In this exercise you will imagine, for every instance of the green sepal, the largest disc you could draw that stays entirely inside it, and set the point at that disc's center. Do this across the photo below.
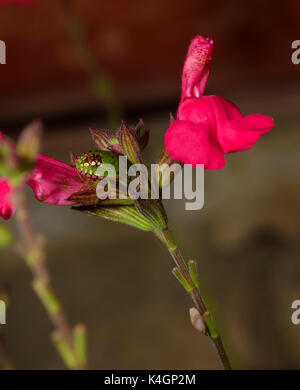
(129, 144)
(105, 140)
(123, 214)
(153, 211)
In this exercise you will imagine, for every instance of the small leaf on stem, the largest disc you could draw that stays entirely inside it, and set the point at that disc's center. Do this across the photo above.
(194, 272)
(80, 335)
(210, 325)
(64, 350)
(182, 280)
(153, 211)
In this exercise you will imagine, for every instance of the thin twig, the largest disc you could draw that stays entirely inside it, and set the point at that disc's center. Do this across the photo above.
(32, 250)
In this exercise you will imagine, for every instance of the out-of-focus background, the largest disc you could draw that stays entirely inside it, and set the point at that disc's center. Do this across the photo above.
(246, 238)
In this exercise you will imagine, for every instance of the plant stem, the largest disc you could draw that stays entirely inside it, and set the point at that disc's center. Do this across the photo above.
(166, 238)
(32, 250)
(101, 83)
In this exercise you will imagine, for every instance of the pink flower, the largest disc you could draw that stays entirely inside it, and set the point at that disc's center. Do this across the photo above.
(7, 207)
(54, 182)
(207, 127)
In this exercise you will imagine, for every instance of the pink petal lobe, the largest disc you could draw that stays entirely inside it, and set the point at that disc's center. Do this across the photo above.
(7, 207)
(238, 135)
(191, 144)
(53, 181)
(197, 110)
(196, 67)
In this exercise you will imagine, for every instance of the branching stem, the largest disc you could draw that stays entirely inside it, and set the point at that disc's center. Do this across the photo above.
(186, 278)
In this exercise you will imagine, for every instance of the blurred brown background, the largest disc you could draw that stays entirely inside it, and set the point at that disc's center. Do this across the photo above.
(246, 239)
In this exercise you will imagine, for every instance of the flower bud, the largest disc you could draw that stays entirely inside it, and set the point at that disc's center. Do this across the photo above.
(197, 320)
(129, 144)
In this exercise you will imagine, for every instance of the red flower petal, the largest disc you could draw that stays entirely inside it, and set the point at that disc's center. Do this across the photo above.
(196, 67)
(209, 126)
(238, 135)
(7, 208)
(53, 181)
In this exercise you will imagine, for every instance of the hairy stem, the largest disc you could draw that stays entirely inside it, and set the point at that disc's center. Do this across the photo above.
(32, 250)
(166, 238)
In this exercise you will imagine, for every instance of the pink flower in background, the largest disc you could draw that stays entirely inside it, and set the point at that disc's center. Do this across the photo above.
(54, 182)
(207, 127)
(7, 207)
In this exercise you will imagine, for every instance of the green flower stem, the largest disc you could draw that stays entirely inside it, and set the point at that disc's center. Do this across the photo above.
(101, 83)
(187, 277)
(32, 249)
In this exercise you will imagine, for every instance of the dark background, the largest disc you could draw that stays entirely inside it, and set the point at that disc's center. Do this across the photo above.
(246, 238)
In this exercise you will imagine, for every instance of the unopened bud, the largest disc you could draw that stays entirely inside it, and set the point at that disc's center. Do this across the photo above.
(197, 320)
